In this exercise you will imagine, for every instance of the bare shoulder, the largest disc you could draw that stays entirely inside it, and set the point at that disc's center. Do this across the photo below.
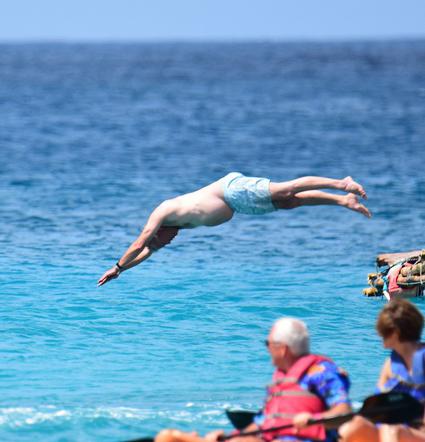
(166, 208)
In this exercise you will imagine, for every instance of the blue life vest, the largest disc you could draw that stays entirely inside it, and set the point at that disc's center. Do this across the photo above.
(401, 380)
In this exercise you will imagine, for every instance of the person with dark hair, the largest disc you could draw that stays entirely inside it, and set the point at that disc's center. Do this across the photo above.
(400, 325)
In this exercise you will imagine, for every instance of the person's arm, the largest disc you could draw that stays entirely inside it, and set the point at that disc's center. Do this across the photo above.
(331, 385)
(335, 411)
(301, 419)
(385, 374)
(114, 272)
(153, 224)
(142, 256)
(139, 250)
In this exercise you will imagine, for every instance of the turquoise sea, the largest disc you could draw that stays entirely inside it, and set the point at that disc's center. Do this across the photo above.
(92, 137)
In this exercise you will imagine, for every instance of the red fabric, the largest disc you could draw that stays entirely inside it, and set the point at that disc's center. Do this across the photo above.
(392, 279)
(393, 288)
(286, 396)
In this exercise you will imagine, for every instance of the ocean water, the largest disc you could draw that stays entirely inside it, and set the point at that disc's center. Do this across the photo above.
(92, 137)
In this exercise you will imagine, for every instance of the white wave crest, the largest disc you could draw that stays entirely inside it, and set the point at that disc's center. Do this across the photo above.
(14, 417)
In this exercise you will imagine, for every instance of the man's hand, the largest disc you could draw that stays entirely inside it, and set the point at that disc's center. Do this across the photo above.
(107, 276)
(300, 420)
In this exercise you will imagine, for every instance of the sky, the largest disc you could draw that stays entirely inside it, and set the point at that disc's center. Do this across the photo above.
(158, 20)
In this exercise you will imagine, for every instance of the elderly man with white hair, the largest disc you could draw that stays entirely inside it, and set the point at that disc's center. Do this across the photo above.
(304, 386)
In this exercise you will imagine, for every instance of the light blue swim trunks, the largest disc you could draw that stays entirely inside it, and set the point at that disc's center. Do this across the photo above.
(248, 195)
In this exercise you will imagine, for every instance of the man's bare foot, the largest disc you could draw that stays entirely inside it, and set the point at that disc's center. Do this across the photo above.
(352, 186)
(352, 203)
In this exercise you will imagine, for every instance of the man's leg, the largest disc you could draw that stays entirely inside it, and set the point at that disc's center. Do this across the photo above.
(290, 188)
(317, 198)
(180, 436)
(358, 429)
(400, 433)
(177, 436)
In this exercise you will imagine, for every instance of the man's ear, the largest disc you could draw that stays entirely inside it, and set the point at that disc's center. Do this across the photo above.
(284, 350)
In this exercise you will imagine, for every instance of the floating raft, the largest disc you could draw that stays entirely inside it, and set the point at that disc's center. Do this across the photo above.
(398, 275)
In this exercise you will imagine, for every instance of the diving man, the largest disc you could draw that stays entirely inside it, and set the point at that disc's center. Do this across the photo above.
(216, 204)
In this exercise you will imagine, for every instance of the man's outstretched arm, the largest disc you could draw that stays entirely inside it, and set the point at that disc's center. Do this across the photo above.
(142, 256)
(114, 272)
(139, 250)
(148, 232)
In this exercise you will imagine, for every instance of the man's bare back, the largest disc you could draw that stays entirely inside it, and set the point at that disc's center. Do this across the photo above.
(216, 204)
(204, 207)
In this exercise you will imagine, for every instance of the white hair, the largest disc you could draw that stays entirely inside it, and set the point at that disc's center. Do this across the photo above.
(293, 333)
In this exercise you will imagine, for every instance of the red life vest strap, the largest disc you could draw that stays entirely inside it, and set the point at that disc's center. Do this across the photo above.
(296, 372)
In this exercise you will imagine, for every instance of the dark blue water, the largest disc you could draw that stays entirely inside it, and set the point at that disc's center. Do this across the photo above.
(92, 137)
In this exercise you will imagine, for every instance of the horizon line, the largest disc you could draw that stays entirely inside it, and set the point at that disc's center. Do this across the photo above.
(224, 40)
